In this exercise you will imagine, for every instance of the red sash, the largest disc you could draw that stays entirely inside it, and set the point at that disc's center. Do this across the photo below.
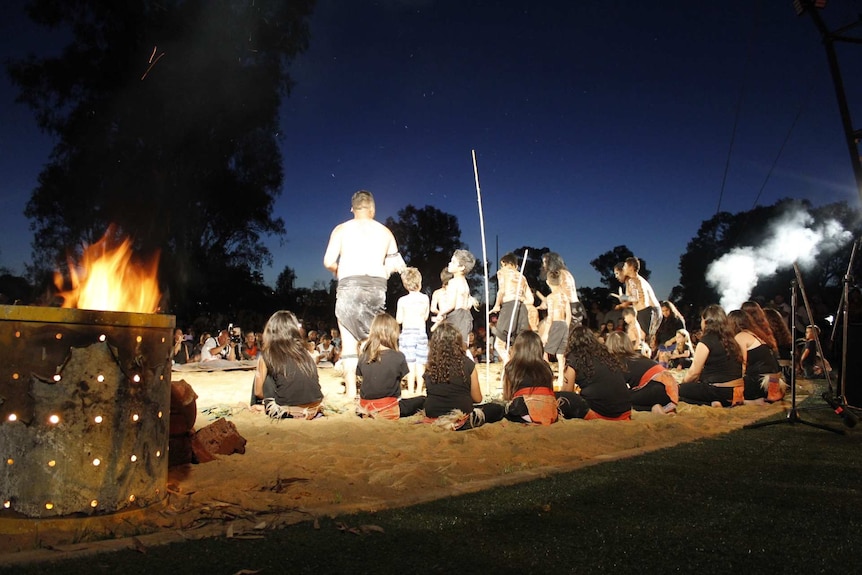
(626, 416)
(385, 407)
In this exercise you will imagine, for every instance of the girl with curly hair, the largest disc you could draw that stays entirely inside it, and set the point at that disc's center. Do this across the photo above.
(286, 375)
(528, 386)
(597, 375)
(452, 384)
(715, 375)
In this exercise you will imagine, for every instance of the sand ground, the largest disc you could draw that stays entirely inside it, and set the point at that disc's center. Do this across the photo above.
(294, 470)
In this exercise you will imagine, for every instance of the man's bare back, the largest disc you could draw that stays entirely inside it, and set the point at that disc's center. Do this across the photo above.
(359, 247)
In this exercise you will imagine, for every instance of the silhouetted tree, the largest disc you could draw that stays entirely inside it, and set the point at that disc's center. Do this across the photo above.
(165, 114)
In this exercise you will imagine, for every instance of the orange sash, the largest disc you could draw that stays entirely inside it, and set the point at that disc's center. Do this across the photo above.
(541, 404)
(626, 416)
(385, 407)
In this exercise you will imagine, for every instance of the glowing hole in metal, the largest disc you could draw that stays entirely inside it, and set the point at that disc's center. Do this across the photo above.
(158, 453)
(97, 461)
(55, 419)
(98, 419)
(94, 503)
(100, 378)
(12, 417)
(137, 378)
(102, 337)
(134, 458)
(7, 504)
(17, 334)
(10, 461)
(139, 339)
(58, 377)
(131, 497)
(15, 376)
(135, 417)
(52, 463)
(160, 415)
(59, 336)
(49, 505)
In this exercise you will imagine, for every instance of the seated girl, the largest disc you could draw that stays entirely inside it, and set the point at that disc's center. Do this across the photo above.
(452, 384)
(286, 375)
(382, 367)
(680, 354)
(763, 377)
(651, 386)
(528, 386)
(598, 376)
(715, 375)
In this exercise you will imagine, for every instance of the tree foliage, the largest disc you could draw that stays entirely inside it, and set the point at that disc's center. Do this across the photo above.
(165, 115)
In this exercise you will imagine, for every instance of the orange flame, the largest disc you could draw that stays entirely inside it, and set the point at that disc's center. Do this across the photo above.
(110, 280)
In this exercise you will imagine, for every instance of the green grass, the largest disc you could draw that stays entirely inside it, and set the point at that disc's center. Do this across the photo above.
(779, 499)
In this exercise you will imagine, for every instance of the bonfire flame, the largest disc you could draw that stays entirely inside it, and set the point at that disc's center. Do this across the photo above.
(109, 279)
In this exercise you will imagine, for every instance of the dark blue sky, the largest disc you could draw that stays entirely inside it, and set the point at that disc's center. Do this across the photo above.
(595, 123)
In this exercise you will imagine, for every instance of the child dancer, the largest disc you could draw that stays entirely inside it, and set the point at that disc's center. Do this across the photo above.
(528, 386)
(455, 305)
(381, 367)
(452, 384)
(512, 293)
(412, 313)
(555, 332)
(286, 375)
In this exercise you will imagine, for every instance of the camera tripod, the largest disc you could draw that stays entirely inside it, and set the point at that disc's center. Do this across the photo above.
(793, 415)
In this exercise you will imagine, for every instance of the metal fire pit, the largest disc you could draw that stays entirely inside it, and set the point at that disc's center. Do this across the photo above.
(84, 409)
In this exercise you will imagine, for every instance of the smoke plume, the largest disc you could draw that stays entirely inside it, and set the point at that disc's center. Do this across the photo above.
(792, 238)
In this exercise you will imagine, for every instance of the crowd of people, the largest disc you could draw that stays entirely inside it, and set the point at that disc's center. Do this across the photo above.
(638, 356)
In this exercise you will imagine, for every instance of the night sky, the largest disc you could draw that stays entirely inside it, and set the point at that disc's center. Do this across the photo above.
(595, 124)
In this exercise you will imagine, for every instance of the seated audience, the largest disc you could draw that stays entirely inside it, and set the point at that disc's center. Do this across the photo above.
(286, 376)
(180, 351)
(250, 349)
(218, 348)
(529, 389)
(382, 367)
(680, 355)
(652, 387)
(715, 375)
(671, 322)
(327, 354)
(763, 379)
(597, 376)
(452, 384)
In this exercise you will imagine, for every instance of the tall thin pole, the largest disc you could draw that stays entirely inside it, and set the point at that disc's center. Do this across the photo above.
(485, 265)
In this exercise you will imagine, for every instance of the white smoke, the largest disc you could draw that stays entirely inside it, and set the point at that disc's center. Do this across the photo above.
(791, 239)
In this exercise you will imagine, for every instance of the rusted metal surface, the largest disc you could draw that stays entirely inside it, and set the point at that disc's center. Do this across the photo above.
(85, 409)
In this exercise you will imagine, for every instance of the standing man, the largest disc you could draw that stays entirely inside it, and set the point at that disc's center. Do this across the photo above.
(362, 254)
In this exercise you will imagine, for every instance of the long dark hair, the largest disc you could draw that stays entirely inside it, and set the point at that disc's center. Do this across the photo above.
(526, 365)
(583, 350)
(619, 344)
(759, 323)
(778, 327)
(715, 321)
(283, 349)
(382, 333)
(445, 354)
